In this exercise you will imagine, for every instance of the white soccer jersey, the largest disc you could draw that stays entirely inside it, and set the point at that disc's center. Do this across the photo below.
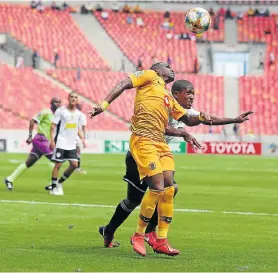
(178, 124)
(70, 122)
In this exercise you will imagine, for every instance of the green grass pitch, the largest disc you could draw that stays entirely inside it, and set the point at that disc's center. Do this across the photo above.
(38, 237)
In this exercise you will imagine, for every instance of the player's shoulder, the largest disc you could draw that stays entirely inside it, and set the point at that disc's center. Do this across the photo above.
(146, 73)
(45, 112)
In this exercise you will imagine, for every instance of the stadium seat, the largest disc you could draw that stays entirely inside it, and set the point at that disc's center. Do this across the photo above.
(260, 95)
(49, 31)
(25, 93)
(151, 39)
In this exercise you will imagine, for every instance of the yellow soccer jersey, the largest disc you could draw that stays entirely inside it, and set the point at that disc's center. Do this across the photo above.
(153, 105)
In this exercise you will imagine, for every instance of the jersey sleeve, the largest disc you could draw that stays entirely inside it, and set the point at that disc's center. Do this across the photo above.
(57, 116)
(193, 112)
(177, 110)
(39, 117)
(141, 78)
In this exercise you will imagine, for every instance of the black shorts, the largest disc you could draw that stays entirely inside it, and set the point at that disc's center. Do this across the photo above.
(136, 188)
(61, 155)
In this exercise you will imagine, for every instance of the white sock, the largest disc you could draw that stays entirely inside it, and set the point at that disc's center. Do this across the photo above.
(17, 172)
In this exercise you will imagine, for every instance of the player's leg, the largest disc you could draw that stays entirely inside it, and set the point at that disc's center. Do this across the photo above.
(144, 152)
(135, 193)
(165, 205)
(35, 154)
(150, 234)
(71, 156)
(58, 159)
(9, 180)
(78, 151)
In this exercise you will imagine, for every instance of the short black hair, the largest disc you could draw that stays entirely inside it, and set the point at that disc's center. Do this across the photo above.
(180, 85)
(156, 65)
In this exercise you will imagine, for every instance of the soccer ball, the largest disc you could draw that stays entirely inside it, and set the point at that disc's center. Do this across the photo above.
(197, 20)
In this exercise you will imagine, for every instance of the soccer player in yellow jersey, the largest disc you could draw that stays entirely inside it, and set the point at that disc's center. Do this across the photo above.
(153, 105)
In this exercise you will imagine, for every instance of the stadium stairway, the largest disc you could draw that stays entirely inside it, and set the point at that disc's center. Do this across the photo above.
(230, 32)
(6, 58)
(231, 99)
(104, 44)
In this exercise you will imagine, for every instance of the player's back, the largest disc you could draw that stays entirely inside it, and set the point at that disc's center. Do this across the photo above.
(44, 120)
(152, 105)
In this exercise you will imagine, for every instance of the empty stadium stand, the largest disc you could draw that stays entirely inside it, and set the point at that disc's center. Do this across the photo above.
(151, 39)
(259, 94)
(26, 93)
(50, 31)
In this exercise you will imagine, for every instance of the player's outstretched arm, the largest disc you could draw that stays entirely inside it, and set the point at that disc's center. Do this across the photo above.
(223, 121)
(171, 131)
(115, 92)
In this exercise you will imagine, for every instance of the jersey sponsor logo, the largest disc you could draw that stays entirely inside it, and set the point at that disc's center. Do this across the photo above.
(166, 101)
(139, 73)
(70, 125)
(152, 166)
(232, 148)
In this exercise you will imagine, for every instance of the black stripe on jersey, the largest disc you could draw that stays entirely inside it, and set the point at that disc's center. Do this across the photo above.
(57, 132)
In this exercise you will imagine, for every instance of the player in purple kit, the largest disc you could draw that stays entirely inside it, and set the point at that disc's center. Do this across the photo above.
(41, 144)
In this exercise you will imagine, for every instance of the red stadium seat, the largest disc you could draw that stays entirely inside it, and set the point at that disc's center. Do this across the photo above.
(151, 40)
(259, 94)
(25, 93)
(49, 31)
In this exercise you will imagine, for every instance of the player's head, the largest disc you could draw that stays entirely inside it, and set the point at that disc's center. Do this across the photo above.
(164, 70)
(183, 91)
(73, 99)
(55, 103)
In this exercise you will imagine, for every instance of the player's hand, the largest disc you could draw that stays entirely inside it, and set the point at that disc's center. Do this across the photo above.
(206, 118)
(29, 140)
(96, 110)
(192, 141)
(243, 117)
(52, 145)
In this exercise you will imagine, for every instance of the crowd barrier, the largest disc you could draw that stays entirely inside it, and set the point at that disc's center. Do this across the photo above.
(15, 143)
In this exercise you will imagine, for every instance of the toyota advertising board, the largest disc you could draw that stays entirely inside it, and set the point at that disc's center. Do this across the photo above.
(228, 148)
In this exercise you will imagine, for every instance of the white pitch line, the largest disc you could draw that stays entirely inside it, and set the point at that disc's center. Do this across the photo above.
(109, 206)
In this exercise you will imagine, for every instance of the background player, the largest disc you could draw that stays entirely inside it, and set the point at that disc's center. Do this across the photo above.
(79, 141)
(183, 92)
(152, 154)
(69, 118)
(41, 145)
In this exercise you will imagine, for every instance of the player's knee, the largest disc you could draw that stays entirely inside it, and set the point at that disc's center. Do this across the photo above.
(74, 164)
(131, 204)
(57, 166)
(168, 177)
(168, 195)
(176, 189)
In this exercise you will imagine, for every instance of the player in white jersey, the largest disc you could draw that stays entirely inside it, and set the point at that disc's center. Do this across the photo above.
(183, 92)
(79, 142)
(69, 119)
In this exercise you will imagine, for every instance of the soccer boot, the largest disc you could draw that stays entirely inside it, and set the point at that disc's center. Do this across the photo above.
(163, 247)
(58, 190)
(8, 184)
(137, 240)
(81, 171)
(108, 239)
(150, 238)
